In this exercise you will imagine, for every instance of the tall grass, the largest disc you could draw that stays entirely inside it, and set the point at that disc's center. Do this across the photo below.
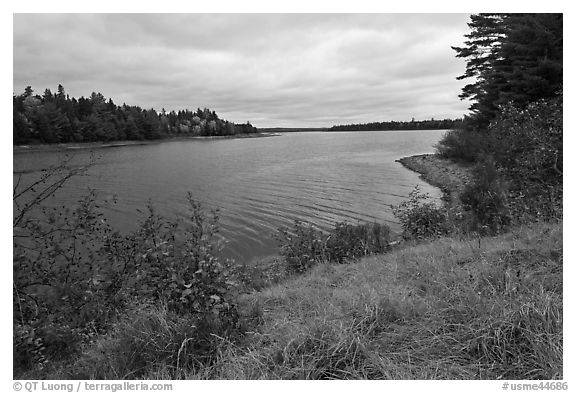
(446, 309)
(443, 310)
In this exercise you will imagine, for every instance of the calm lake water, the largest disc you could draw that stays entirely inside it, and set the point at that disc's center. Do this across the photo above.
(258, 184)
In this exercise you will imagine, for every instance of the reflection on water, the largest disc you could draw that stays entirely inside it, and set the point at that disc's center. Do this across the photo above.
(257, 184)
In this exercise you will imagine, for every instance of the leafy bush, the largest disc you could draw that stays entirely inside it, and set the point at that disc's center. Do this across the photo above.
(73, 275)
(349, 241)
(462, 144)
(177, 263)
(60, 297)
(486, 198)
(304, 246)
(420, 219)
(528, 147)
(528, 142)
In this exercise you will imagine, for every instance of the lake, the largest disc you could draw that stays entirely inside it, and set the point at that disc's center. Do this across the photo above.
(258, 184)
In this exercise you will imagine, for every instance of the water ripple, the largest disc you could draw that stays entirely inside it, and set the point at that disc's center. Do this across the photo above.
(258, 185)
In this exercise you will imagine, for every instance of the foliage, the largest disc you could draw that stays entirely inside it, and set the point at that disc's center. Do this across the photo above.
(526, 150)
(486, 198)
(527, 143)
(512, 58)
(60, 295)
(73, 275)
(420, 219)
(57, 118)
(516, 63)
(303, 246)
(177, 263)
(349, 241)
(460, 144)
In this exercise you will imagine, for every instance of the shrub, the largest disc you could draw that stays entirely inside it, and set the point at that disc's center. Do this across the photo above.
(462, 144)
(486, 198)
(176, 263)
(60, 296)
(420, 219)
(304, 246)
(73, 275)
(349, 241)
(527, 146)
(528, 142)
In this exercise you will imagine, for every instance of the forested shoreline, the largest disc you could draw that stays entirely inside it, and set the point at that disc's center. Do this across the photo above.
(57, 118)
(432, 124)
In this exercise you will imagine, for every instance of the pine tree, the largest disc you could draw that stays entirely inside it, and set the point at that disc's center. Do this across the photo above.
(531, 58)
(512, 57)
(61, 94)
(481, 52)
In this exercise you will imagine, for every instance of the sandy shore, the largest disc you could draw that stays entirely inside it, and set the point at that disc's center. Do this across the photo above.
(104, 145)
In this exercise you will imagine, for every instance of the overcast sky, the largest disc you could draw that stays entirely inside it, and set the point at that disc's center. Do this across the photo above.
(279, 70)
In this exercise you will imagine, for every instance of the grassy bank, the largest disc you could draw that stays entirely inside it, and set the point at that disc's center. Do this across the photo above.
(446, 309)
(443, 310)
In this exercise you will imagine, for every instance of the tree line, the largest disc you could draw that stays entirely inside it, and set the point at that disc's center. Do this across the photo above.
(57, 118)
(432, 124)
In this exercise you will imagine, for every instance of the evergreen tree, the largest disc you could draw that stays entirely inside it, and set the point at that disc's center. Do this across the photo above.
(531, 58)
(511, 57)
(61, 94)
(47, 97)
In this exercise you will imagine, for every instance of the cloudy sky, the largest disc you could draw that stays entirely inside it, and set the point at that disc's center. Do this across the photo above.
(274, 70)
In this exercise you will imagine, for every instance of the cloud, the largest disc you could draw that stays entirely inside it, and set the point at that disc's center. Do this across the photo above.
(274, 70)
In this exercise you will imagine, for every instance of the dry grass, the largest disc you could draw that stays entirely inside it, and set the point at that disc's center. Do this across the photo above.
(442, 310)
(446, 309)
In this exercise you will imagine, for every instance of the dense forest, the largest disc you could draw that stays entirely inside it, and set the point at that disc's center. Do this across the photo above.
(57, 118)
(431, 124)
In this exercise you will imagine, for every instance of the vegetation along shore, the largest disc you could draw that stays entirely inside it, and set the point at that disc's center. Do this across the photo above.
(473, 291)
(106, 145)
(437, 306)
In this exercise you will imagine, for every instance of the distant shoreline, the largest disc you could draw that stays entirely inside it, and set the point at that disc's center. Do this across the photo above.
(279, 129)
(17, 149)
